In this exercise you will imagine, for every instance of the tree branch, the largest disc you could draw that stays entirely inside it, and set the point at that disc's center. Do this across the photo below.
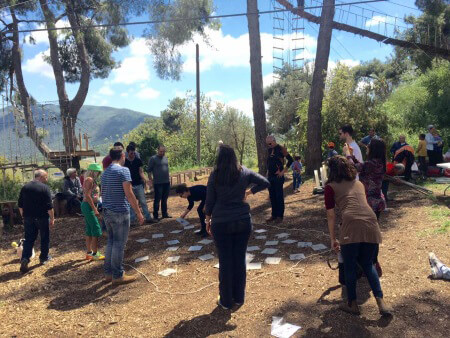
(32, 21)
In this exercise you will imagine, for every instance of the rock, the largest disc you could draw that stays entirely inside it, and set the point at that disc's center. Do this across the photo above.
(326, 329)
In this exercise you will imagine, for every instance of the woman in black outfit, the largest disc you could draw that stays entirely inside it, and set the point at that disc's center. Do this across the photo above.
(228, 221)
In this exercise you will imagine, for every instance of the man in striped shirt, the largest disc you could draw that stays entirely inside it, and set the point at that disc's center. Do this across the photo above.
(117, 195)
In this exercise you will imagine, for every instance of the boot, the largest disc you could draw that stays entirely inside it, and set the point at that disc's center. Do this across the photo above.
(384, 309)
(125, 279)
(351, 308)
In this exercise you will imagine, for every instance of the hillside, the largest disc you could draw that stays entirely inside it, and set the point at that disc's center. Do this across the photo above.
(103, 124)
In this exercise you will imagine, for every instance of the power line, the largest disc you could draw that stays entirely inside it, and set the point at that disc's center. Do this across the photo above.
(395, 3)
(182, 19)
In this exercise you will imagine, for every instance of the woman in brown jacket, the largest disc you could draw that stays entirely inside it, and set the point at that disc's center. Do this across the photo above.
(359, 234)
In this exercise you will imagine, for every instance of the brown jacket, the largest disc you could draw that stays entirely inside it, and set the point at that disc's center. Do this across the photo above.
(359, 222)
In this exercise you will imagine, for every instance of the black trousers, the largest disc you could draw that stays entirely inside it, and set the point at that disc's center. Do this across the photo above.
(33, 226)
(231, 241)
(161, 196)
(201, 215)
(276, 195)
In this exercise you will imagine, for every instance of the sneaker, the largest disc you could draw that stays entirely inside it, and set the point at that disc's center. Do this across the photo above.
(98, 257)
(202, 234)
(89, 256)
(167, 216)
(24, 265)
(350, 308)
(384, 309)
(151, 221)
(220, 304)
(125, 279)
(45, 261)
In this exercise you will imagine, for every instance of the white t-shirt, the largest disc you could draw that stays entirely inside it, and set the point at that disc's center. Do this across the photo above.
(356, 151)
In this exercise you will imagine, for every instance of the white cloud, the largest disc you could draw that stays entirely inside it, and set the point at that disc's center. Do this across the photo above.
(245, 105)
(228, 51)
(214, 94)
(377, 19)
(147, 94)
(124, 95)
(37, 65)
(139, 47)
(348, 62)
(269, 79)
(42, 36)
(106, 90)
(133, 69)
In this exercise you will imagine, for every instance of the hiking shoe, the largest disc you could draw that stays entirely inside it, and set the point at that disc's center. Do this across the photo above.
(98, 257)
(24, 265)
(384, 309)
(220, 304)
(351, 308)
(45, 261)
(151, 221)
(167, 216)
(202, 234)
(125, 279)
(89, 256)
(107, 279)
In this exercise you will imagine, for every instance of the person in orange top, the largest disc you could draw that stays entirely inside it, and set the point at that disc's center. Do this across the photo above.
(405, 156)
(422, 154)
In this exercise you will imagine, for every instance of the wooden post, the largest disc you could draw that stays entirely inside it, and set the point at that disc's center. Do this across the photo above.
(314, 134)
(80, 140)
(197, 62)
(86, 141)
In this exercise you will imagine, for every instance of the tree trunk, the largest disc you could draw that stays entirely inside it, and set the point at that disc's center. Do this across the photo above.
(259, 113)
(314, 131)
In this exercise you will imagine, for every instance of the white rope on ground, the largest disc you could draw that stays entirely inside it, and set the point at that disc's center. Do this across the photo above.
(289, 229)
(291, 269)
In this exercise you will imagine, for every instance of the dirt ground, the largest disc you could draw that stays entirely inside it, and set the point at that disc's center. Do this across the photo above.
(67, 297)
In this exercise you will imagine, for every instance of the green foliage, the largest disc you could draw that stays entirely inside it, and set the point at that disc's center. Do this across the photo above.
(56, 185)
(166, 37)
(10, 189)
(147, 147)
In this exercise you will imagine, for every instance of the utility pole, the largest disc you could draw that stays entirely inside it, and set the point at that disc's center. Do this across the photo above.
(197, 61)
(314, 134)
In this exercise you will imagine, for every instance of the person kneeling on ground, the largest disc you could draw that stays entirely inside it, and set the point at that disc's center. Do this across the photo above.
(231, 222)
(195, 193)
(359, 233)
(90, 211)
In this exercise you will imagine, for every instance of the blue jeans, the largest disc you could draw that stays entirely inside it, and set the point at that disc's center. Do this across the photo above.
(297, 181)
(34, 225)
(276, 195)
(231, 241)
(161, 195)
(117, 226)
(361, 254)
(139, 192)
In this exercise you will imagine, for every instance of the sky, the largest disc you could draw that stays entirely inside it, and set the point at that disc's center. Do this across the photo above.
(224, 63)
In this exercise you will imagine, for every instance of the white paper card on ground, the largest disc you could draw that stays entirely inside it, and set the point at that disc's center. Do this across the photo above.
(261, 237)
(157, 235)
(205, 241)
(182, 221)
(195, 248)
(187, 227)
(217, 266)
(281, 329)
(282, 235)
(269, 251)
(206, 257)
(142, 240)
(304, 244)
(271, 243)
(172, 248)
(253, 248)
(173, 242)
(176, 231)
(273, 260)
(318, 247)
(297, 257)
(167, 272)
(260, 231)
(172, 259)
(141, 259)
(249, 257)
(289, 241)
(254, 266)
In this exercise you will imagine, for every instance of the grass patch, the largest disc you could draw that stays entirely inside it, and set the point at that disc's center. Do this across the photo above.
(441, 215)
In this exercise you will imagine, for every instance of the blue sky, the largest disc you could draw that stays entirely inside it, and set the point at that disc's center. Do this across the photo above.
(225, 68)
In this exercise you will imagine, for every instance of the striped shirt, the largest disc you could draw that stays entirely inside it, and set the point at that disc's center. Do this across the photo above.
(113, 195)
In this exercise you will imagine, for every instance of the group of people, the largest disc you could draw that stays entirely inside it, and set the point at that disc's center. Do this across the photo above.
(354, 186)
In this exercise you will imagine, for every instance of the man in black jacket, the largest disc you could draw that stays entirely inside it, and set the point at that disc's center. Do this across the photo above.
(276, 171)
(35, 206)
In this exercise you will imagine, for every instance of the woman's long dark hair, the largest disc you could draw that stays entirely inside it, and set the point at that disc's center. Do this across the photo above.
(377, 150)
(227, 168)
(340, 169)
